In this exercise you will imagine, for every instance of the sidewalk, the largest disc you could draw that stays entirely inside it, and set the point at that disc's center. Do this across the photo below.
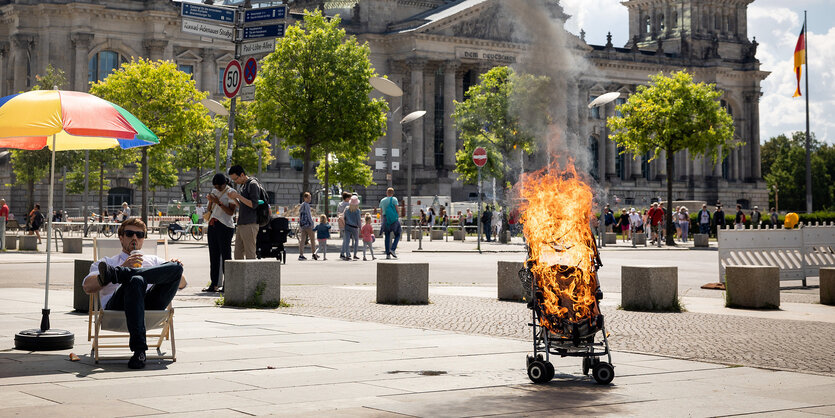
(235, 362)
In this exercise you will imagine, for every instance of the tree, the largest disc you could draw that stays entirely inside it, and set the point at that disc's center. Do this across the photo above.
(346, 170)
(102, 163)
(784, 162)
(672, 114)
(504, 113)
(250, 142)
(313, 92)
(168, 102)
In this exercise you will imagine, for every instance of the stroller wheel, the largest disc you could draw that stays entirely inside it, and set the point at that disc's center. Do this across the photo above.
(551, 371)
(586, 365)
(603, 373)
(538, 372)
(528, 360)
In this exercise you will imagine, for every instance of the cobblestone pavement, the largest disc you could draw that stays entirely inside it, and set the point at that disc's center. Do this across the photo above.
(734, 340)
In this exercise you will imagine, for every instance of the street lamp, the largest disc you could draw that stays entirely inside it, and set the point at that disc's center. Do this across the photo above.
(411, 117)
(215, 107)
(602, 101)
(388, 88)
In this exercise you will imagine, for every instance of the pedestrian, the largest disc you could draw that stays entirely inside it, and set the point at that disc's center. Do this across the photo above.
(645, 222)
(391, 222)
(704, 220)
(443, 219)
(684, 223)
(353, 217)
(756, 216)
(323, 232)
(663, 228)
(422, 221)
(340, 220)
(623, 224)
(656, 215)
(486, 222)
(306, 228)
(496, 222)
(4, 210)
(36, 219)
(200, 211)
(469, 220)
(367, 234)
(246, 197)
(635, 221)
(718, 219)
(125, 213)
(739, 219)
(773, 216)
(221, 229)
(609, 221)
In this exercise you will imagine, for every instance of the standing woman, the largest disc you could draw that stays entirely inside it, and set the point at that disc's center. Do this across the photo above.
(221, 228)
(35, 221)
(352, 227)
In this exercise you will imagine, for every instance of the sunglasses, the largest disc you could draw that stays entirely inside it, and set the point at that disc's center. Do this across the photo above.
(131, 234)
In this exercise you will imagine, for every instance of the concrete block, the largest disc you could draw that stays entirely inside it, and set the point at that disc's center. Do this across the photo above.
(80, 300)
(73, 245)
(10, 242)
(755, 287)
(701, 240)
(640, 238)
(510, 288)
(28, 243)
(649, 288)
(403, 283)
(436, 235)
(243, 277)
(459, 235)
(611, 238)
(416, 234)
(827, 276)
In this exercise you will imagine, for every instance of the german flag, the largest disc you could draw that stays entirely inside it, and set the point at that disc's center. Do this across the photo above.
(799, 57)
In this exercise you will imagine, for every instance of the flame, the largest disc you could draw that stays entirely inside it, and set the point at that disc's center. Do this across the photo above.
(556, 208)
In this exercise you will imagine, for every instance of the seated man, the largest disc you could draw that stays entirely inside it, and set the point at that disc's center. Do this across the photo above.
(133, 283)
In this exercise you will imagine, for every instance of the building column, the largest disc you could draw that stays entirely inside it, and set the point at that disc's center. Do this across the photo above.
(4, 63)
(611, 148)
(22, 50)
(753, 102)
(81, 77)
(208, 71)
(717, 168)
(416, 128)
(450, 71)
(155, 48)
(636, 166)
(430, 79)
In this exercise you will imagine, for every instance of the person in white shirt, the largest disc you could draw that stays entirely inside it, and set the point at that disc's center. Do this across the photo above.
(635, 220)
(125, 213)
(133, 282)
(221, 228)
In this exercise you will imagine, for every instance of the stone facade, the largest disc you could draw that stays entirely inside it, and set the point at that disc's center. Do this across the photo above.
(435, 50)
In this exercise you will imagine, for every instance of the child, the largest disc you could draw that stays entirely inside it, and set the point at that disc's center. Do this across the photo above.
(367, 234)
(323, 232)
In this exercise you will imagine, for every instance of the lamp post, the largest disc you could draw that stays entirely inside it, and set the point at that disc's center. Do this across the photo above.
(215, 107)
(602, 101)
(387, 88)
(411, 117)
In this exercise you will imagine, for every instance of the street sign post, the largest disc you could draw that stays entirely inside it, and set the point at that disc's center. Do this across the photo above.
(265, 13)
(232, 79)
(208, 29)
(275, 30)
(247, 93)
(479, 158)
(202, 11)
(258, 47)
(250, 71)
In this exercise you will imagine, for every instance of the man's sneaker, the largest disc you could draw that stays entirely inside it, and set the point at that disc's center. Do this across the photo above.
(388, 256)
(302, 258)
(315, 257)
(107, 274)
(356, 258)
(137, 361)
(393, 254)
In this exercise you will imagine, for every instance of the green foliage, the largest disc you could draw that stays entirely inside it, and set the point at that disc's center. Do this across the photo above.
(54, 79)
(102, 163)
(348, 171)
(249, 140)
(168, 102)
(313, 91)
(256, 301)
(784, 165)
(504, 113)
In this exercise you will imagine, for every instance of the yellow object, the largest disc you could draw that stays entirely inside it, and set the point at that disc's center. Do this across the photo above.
(791, 220)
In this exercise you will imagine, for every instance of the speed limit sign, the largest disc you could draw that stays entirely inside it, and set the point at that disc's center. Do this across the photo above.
(232, 79)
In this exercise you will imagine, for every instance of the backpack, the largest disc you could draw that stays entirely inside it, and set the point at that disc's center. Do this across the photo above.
(390, 212)
(262, 210)
(743, 218)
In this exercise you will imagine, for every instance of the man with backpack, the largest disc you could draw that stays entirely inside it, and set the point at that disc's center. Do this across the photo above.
(391, 222)
(248, 195)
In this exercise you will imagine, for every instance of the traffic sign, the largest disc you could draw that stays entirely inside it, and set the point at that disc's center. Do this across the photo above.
(264, 31)
(480, 156)
(232, 79)
(208, 29)
(248, 93)
(201, 11)
(265, 13)
(250, 71)
(258, 47)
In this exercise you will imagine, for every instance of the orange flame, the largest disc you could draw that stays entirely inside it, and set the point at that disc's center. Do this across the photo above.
(556, 210)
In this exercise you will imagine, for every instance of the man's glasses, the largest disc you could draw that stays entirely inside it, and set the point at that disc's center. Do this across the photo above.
(138, 234)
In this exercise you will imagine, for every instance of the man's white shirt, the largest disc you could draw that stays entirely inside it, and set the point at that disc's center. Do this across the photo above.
(148, 260)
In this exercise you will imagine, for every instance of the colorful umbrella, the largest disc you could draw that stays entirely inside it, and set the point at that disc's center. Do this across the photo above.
(64, 120)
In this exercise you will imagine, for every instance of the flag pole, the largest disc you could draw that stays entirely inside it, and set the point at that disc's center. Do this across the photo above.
(808, 152)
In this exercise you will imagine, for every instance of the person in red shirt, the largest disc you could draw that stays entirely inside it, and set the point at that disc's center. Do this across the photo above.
(656, 216)
(4, 209)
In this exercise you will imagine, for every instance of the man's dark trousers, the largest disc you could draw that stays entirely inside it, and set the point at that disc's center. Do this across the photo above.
(395, 229)
(133, 298)
(486, 229)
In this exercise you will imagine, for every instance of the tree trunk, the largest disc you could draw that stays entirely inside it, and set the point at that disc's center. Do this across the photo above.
(101, 190)
(668, 214)
(327, 184)
(306, 170)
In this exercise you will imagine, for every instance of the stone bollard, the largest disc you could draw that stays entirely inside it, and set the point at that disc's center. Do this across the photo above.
(649, 288)
(436, 234)
(403, 283)
(755, 287)
(701, 240)
(504, 237)
(80, 300)
(510, 288)
(827, 276)
(11, 242)
(28, 243)
(416, 234)
(639, 238)
(459, 235)
(73, 245)
(611, 238)
(252, 282)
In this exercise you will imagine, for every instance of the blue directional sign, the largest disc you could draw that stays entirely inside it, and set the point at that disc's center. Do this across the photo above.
(215, 13)
(264, 31)
(265, 13)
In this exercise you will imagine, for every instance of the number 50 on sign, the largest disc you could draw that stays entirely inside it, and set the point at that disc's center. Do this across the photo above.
(232, 79)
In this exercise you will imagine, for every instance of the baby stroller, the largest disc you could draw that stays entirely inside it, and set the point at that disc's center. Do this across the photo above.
(271, 239)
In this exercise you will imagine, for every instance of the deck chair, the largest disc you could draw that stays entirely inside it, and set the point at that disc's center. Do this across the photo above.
(104, 324)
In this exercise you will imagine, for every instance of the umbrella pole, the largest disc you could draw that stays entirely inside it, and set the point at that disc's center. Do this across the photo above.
(45, 318)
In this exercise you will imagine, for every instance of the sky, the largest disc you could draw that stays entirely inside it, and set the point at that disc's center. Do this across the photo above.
(776, 24)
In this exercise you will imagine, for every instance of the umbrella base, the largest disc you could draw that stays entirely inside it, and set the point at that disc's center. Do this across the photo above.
(37, 340)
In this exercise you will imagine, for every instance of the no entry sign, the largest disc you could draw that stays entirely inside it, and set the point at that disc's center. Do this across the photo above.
(480, 156)
(232, 79)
